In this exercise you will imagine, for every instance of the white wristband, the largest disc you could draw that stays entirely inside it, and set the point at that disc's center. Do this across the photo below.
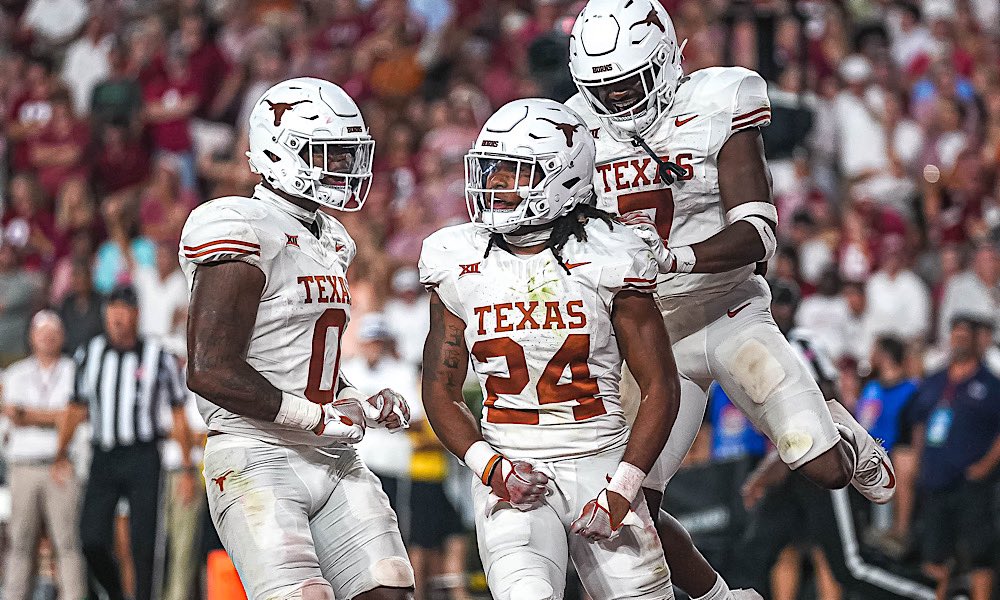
(296, 411)
(684, 255)
(627, 481)
(481, 458)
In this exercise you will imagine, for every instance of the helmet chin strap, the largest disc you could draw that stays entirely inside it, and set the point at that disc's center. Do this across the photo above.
(669, 171)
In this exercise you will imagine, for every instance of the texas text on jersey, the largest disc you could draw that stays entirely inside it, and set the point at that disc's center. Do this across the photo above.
(710, 105)
(540, 337)
(305, 306)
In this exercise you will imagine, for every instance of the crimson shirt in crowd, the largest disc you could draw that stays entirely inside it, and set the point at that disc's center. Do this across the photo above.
(27, 110)
(52, 177)
(174, 135)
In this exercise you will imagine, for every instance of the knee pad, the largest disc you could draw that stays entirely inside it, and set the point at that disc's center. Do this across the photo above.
(393, 571)
(758, 371)
(804, 436)
(532, 588)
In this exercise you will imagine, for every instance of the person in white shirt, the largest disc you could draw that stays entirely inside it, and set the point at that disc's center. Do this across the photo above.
(377, 363)
(35, 390)
(973, 291)
(163, 298)
(86, 63)
(826, 314)
(897, 302)
(408, 311)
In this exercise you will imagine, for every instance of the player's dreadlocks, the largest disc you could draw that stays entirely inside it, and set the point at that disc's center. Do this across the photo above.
(571, 224)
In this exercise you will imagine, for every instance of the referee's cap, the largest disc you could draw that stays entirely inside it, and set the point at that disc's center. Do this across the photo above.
(125, 294)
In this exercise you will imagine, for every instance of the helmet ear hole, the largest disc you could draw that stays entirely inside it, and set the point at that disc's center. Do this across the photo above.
(271, 155)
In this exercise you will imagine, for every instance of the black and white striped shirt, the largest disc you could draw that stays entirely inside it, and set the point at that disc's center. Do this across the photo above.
(126, 391)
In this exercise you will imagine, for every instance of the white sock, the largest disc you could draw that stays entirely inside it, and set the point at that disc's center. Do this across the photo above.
(719, 591)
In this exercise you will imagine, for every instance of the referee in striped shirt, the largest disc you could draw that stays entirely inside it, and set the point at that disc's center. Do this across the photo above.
(123, 383)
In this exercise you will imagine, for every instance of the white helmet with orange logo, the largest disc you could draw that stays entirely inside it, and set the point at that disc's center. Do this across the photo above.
(614, 40)
(295, 127)
(551, 153)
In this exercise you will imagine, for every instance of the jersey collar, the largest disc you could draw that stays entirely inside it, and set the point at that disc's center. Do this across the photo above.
(262, 193)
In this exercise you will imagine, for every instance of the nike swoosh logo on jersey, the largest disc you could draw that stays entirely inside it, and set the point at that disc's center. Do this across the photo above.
(679, 121)
(732, 313)
(572, 266)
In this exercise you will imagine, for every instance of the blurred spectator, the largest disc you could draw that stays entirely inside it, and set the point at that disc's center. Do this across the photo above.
(54, 22)
(408, 311)
(35, 392)
(882, 408)
(957, 431)
(59, 152)
(881, 405)
(860, 134)
(81, 309)
(133, 376)
(122, 161)
(814, 249)
(386, 454)
(165, 203)
(184, 513)
(29, 225)
(30, 111)
(86, 63)
(207, 66)
(974, 291)
(117, 98)
(170, 101)
(437, 547)
(908, 35)
(826, 315)
(897, 302)
(163, 298)
(124, 250)
(19, 291)
(859, 336)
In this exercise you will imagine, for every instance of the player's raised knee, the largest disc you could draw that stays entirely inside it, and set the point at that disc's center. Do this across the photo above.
(532, 588)
(394, 572)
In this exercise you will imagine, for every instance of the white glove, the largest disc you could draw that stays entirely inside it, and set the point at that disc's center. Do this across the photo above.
(518, 483)
(594, 522)
(387, 409)
(342, 421)
(669, 260)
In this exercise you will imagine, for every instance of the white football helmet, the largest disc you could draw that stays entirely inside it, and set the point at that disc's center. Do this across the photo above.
(299, 125)
(614, 40)
(550, 155)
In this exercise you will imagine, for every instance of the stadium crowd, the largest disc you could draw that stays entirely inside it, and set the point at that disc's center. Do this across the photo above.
(118, 117)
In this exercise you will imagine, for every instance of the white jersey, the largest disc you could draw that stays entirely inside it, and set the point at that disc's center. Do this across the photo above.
(541, 339)
(710, 105)
(305, 305)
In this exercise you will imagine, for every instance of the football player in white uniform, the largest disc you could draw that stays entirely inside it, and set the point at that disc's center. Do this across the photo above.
(548, 296)
(300, 515)
(681, 158)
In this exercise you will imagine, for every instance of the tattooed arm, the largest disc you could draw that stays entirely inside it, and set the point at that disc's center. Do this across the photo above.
(224, 302)
(446, 361)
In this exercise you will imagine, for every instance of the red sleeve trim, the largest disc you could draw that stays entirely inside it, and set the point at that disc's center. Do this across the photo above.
(231, 242)
(221, 249)
(760, 119)
(751, 113)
